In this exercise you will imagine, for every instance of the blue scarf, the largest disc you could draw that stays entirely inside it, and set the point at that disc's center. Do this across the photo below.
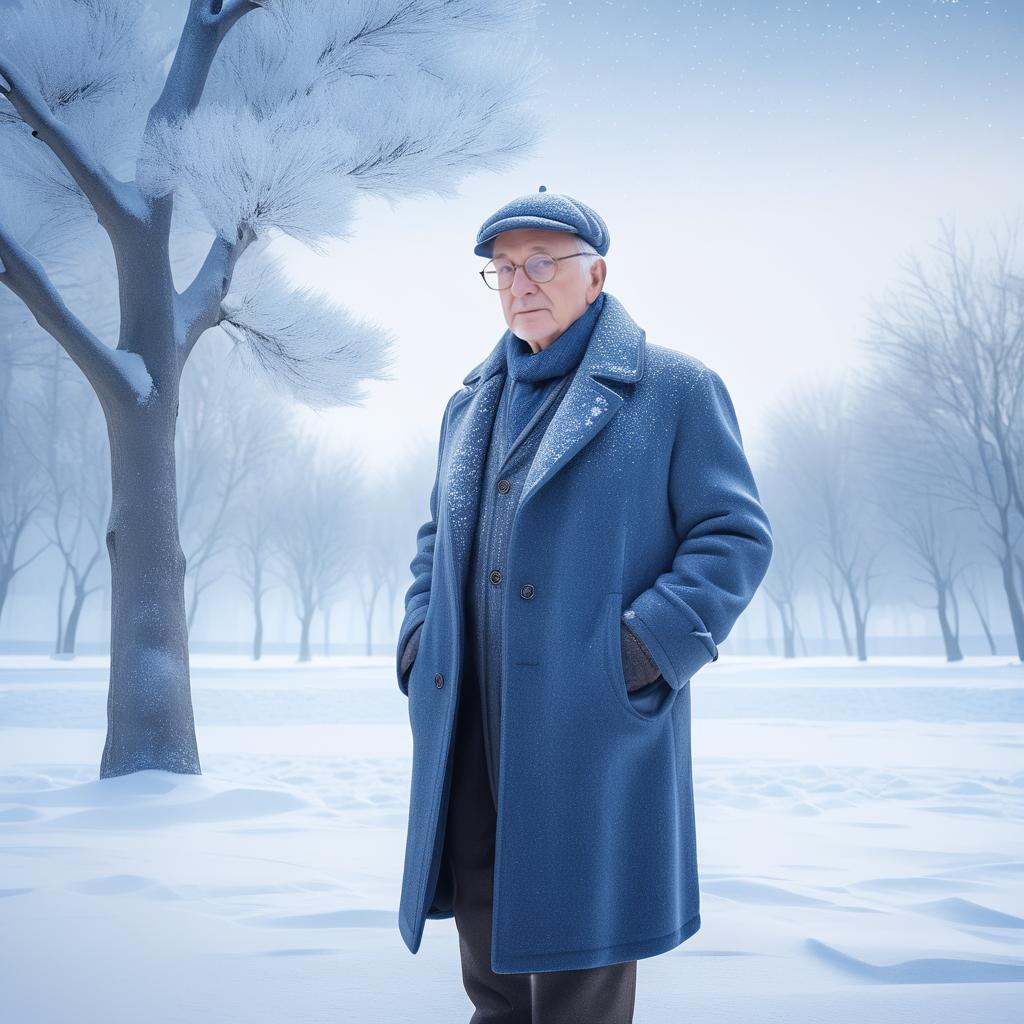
(530, 373)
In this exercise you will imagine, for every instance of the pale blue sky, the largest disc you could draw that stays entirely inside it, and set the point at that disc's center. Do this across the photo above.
(764, 170)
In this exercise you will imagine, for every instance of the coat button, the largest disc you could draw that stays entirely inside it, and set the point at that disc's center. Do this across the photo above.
(504, 486)
(495, 575)
(527, 591)
(439, 680)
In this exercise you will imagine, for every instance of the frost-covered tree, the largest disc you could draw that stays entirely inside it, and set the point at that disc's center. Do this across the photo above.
(951, 345)
(273, 116)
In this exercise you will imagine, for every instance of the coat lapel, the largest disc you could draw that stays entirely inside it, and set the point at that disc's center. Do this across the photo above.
(615, 352)
(470, 420)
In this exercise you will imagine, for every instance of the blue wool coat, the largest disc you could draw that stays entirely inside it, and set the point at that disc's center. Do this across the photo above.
(639, 504)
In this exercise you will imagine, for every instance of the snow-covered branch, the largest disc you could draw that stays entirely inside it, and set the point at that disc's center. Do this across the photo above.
(26, 277)
(199, 304)
(206, 24)
(115, 202)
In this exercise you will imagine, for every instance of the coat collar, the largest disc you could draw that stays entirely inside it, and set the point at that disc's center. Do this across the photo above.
(616, 352)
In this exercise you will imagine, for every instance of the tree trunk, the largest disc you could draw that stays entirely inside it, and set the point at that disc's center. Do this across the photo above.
(844, 632)
(58, 645)
(1020, 574)
(369, 624)
(990, 639)
(788, 639)
(149, 705)
(949, 637)
(305, 654)
(862, 639)
(860, 622)
(71, 630)
(257, 636)
(769, 632)
(7, 570)
(798, 634)
(787, 618)
(1013, 603)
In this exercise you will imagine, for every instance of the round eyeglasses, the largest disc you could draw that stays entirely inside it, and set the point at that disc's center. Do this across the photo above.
(539, 268)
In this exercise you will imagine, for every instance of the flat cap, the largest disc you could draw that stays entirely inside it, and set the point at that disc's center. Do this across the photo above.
(547, 210)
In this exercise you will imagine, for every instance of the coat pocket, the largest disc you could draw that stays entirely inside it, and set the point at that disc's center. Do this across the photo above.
(651, 702)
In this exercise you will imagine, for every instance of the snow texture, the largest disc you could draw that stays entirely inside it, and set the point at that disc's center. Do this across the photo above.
(133, 366)
(858, 828)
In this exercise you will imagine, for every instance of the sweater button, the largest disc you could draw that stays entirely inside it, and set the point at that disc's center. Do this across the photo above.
(439, 680)
(495, 575)
(527, 591)
(504, 486)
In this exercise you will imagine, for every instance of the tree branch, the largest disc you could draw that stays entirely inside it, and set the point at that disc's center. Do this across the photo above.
(206, 24)
(25, 276)
(198, 306)
(116, 203)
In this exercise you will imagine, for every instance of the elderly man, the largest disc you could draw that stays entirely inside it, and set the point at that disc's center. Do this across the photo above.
(594, 533)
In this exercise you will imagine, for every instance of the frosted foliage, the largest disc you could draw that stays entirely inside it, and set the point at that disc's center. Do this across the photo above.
(269, 173)
(424, 135)
(306, 346)
(294, 48)
(44, 237)
(97, 68)
(307, 103)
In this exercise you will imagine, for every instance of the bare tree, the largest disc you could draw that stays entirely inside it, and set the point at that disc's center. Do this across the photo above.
(69, 445)
(978, 594)
(253, 549)
(790, 562)
(22, 482)
(316, 530)
(951, 344)
(930, 531)
(272, 123)
(251, 516)
(379, 572)
(817, 430)
(224, 433)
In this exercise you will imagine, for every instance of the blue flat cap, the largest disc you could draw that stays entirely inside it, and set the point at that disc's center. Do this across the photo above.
(547, 210)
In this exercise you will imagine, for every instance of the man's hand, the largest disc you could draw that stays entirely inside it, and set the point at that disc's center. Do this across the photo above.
(409, 655)
(638, 666)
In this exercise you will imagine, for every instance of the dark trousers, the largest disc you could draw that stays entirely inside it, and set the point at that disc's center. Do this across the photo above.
(598, 995)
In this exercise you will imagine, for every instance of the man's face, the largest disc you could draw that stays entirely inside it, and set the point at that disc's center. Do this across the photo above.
(539, 313)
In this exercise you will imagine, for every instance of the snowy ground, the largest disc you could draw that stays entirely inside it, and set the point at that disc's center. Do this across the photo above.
(860, 844)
